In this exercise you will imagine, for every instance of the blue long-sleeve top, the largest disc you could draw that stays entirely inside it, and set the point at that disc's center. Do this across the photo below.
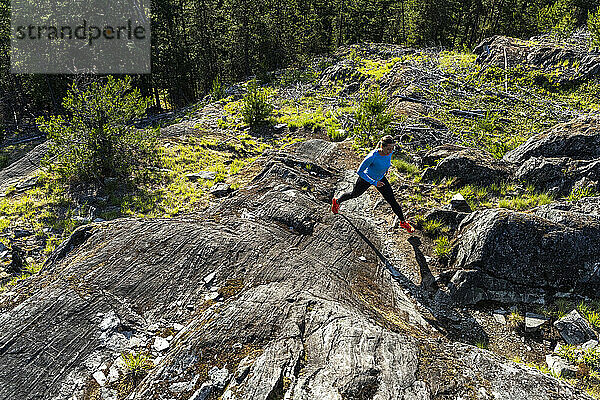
(374, 166)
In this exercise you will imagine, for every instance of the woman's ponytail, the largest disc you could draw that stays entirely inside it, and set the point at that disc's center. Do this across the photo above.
(384, 141)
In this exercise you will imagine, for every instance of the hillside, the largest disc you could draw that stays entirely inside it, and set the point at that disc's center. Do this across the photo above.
(223, 273)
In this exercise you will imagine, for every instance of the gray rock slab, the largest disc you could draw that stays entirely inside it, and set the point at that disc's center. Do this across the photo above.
(560, 367)
(493, 247)
(499, 316)
(220, 189)
(208, 175)
(534, 322)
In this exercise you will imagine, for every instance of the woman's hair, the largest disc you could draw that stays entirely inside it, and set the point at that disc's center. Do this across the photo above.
(384, 141)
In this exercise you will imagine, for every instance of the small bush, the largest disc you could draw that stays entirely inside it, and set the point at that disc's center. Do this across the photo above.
(218, 90)
(372, 119)
(515, 319)
(563, 307)
(4, 158)
(525, 202)
(581, 192)
(337, 135)
(482, 344)
(256, 108)
(96, 139)
(590, 357)
(137, 366)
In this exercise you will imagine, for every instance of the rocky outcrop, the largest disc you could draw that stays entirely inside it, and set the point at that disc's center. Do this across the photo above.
(568, 63)
(578, 139)
(265, 295)
(564, 158)
(510, 256)
(468, 166)
(345, 72)
(559, 161)
(20, 173)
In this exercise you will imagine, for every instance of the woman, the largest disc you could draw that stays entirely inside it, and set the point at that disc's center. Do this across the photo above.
(372, 172)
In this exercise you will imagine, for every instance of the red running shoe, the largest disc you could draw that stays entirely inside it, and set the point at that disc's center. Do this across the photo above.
(406, 225)
(335, 206)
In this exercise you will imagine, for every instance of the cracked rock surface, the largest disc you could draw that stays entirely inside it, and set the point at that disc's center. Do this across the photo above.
(306, 309)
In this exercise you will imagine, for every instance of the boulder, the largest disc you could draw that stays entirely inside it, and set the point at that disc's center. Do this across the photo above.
(564, 210)
(491, 50)
(561, 367)
(345, 72)
(499, 316)
(433, 156)
(575, 329)
(459, 204)
(470, 166)
(17, 262)
(577, 139)
(470, 287)
(500, 249)
(590, 344)
(208, 175)
(220, 189)
(533, 322)
(217, 380)
(577, 214)
(545, 174)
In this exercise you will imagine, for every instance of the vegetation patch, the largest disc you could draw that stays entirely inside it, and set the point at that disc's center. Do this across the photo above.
(137, 367)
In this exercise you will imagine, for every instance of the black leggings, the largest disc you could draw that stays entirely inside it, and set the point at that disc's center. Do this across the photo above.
(386, 191)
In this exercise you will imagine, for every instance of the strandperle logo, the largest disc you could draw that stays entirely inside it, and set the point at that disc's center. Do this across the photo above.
(85, 31)
(75, 36)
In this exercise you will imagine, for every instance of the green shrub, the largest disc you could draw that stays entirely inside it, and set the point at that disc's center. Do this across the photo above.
(589, 357)
(442, 247)
(515, 319)
(337, 135)
(593, 318)
(563, 308)
(372, 119)
(4, 224)
(525, 202)
(137, 366)
(255, 105)
(579, 193)
(95, 139)
(482, 344)
(218, 90)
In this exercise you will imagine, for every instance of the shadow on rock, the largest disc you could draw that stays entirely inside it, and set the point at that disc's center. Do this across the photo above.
(450, 320)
